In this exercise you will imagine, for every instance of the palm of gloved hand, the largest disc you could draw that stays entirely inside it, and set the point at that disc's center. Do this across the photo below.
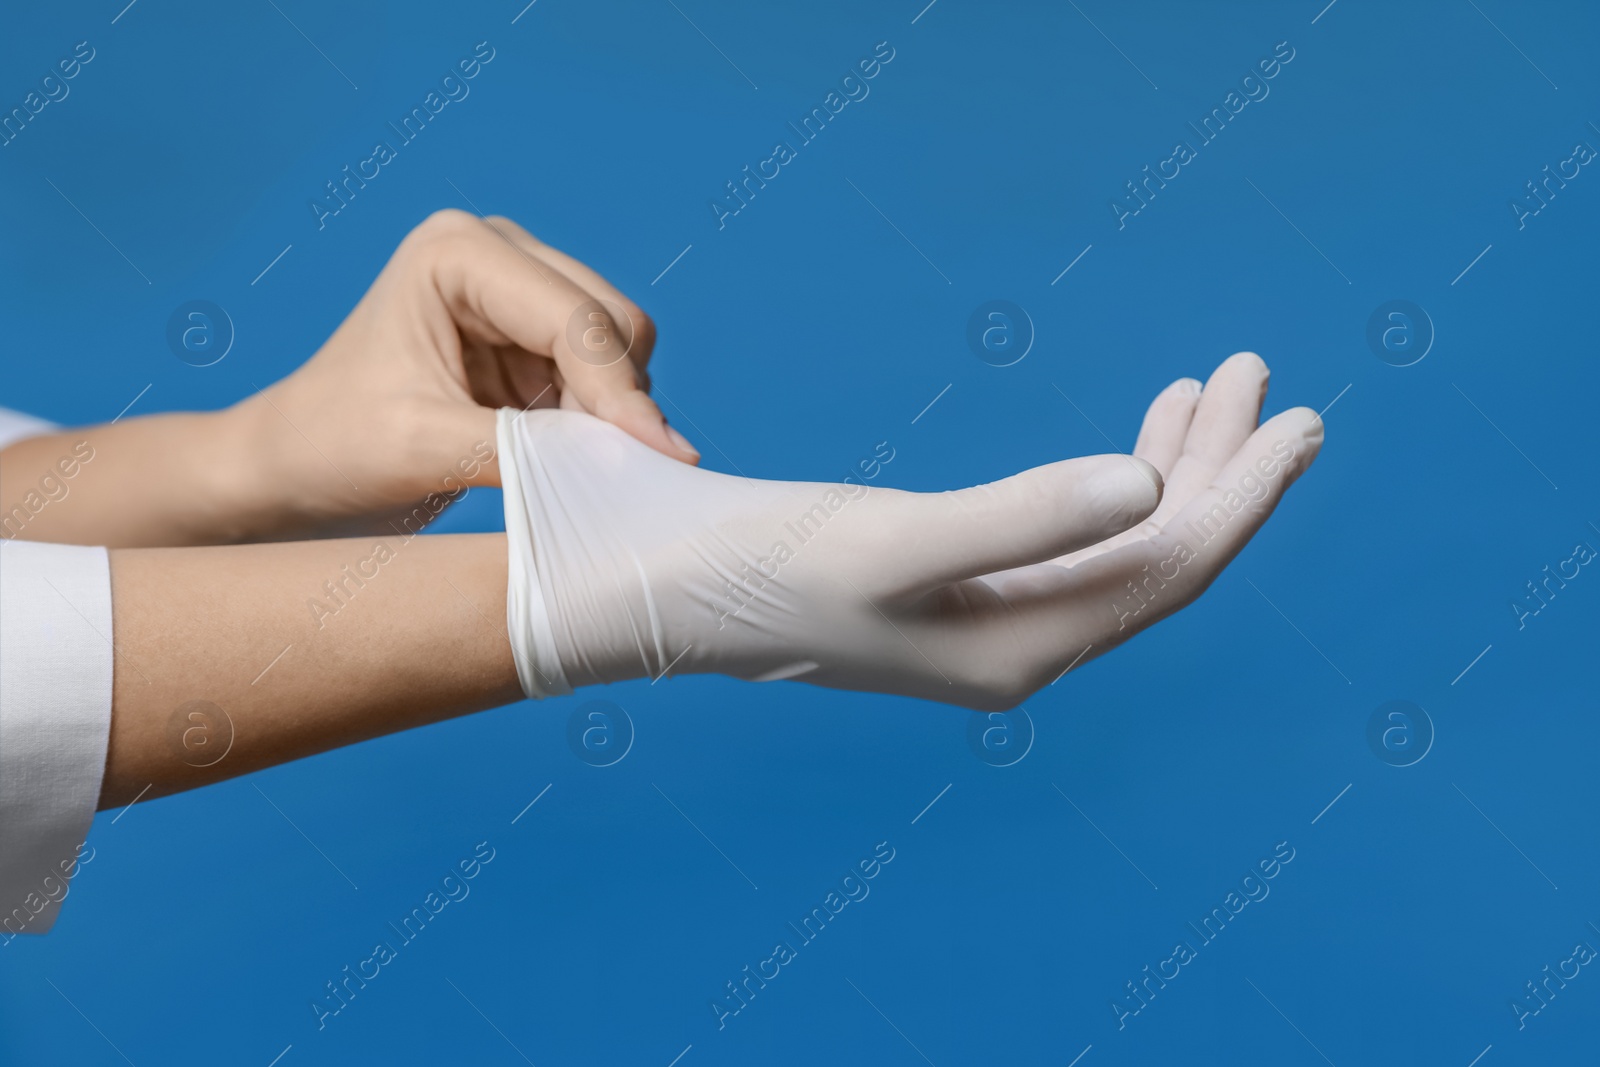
(626, 564)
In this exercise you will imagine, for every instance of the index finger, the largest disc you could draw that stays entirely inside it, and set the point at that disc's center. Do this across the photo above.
(481, 272)
(638, 331)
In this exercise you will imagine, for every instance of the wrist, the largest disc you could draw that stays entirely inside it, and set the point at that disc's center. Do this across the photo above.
(244, 472)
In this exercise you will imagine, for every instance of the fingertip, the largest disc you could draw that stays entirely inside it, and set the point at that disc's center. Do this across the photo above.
(687, 451)
(637, 415)
(1244, 372)
(1312, 428)
(1302, 418)
(1126, 490)
(1152, 478)
(1302, 430)
(1247, 361)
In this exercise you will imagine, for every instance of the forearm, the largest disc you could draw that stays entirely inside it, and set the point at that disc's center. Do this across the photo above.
(179, 479)
(303, 646)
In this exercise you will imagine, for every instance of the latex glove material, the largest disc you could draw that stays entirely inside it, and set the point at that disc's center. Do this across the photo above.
(625, 564)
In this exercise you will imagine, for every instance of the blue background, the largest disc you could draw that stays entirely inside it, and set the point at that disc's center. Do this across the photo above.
(792, 341)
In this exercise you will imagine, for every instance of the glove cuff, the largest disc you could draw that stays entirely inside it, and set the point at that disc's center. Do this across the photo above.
(533, 641)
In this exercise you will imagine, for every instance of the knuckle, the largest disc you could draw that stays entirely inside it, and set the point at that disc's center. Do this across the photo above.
(446, 221)
(510, 227)
(444, 229)
(644, 329)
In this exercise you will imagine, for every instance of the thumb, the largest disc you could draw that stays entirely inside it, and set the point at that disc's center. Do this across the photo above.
(1027, 518)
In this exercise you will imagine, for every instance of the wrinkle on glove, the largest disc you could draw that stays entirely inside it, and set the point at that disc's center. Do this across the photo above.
(627, 564)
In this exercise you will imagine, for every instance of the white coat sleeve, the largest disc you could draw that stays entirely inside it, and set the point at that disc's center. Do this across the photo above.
(55, 713)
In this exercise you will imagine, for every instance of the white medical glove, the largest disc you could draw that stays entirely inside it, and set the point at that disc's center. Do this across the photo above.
(626, 564)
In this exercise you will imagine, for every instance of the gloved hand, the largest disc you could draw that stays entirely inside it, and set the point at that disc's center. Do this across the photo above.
(626, 564)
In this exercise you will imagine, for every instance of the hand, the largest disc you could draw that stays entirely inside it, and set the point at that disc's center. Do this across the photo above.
(469, 315)
(976, 597)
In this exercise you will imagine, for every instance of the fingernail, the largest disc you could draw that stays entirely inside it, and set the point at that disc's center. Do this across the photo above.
(681, 441)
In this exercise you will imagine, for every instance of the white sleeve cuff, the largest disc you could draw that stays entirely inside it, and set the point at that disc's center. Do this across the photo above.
(15, 426)
(55, 718)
